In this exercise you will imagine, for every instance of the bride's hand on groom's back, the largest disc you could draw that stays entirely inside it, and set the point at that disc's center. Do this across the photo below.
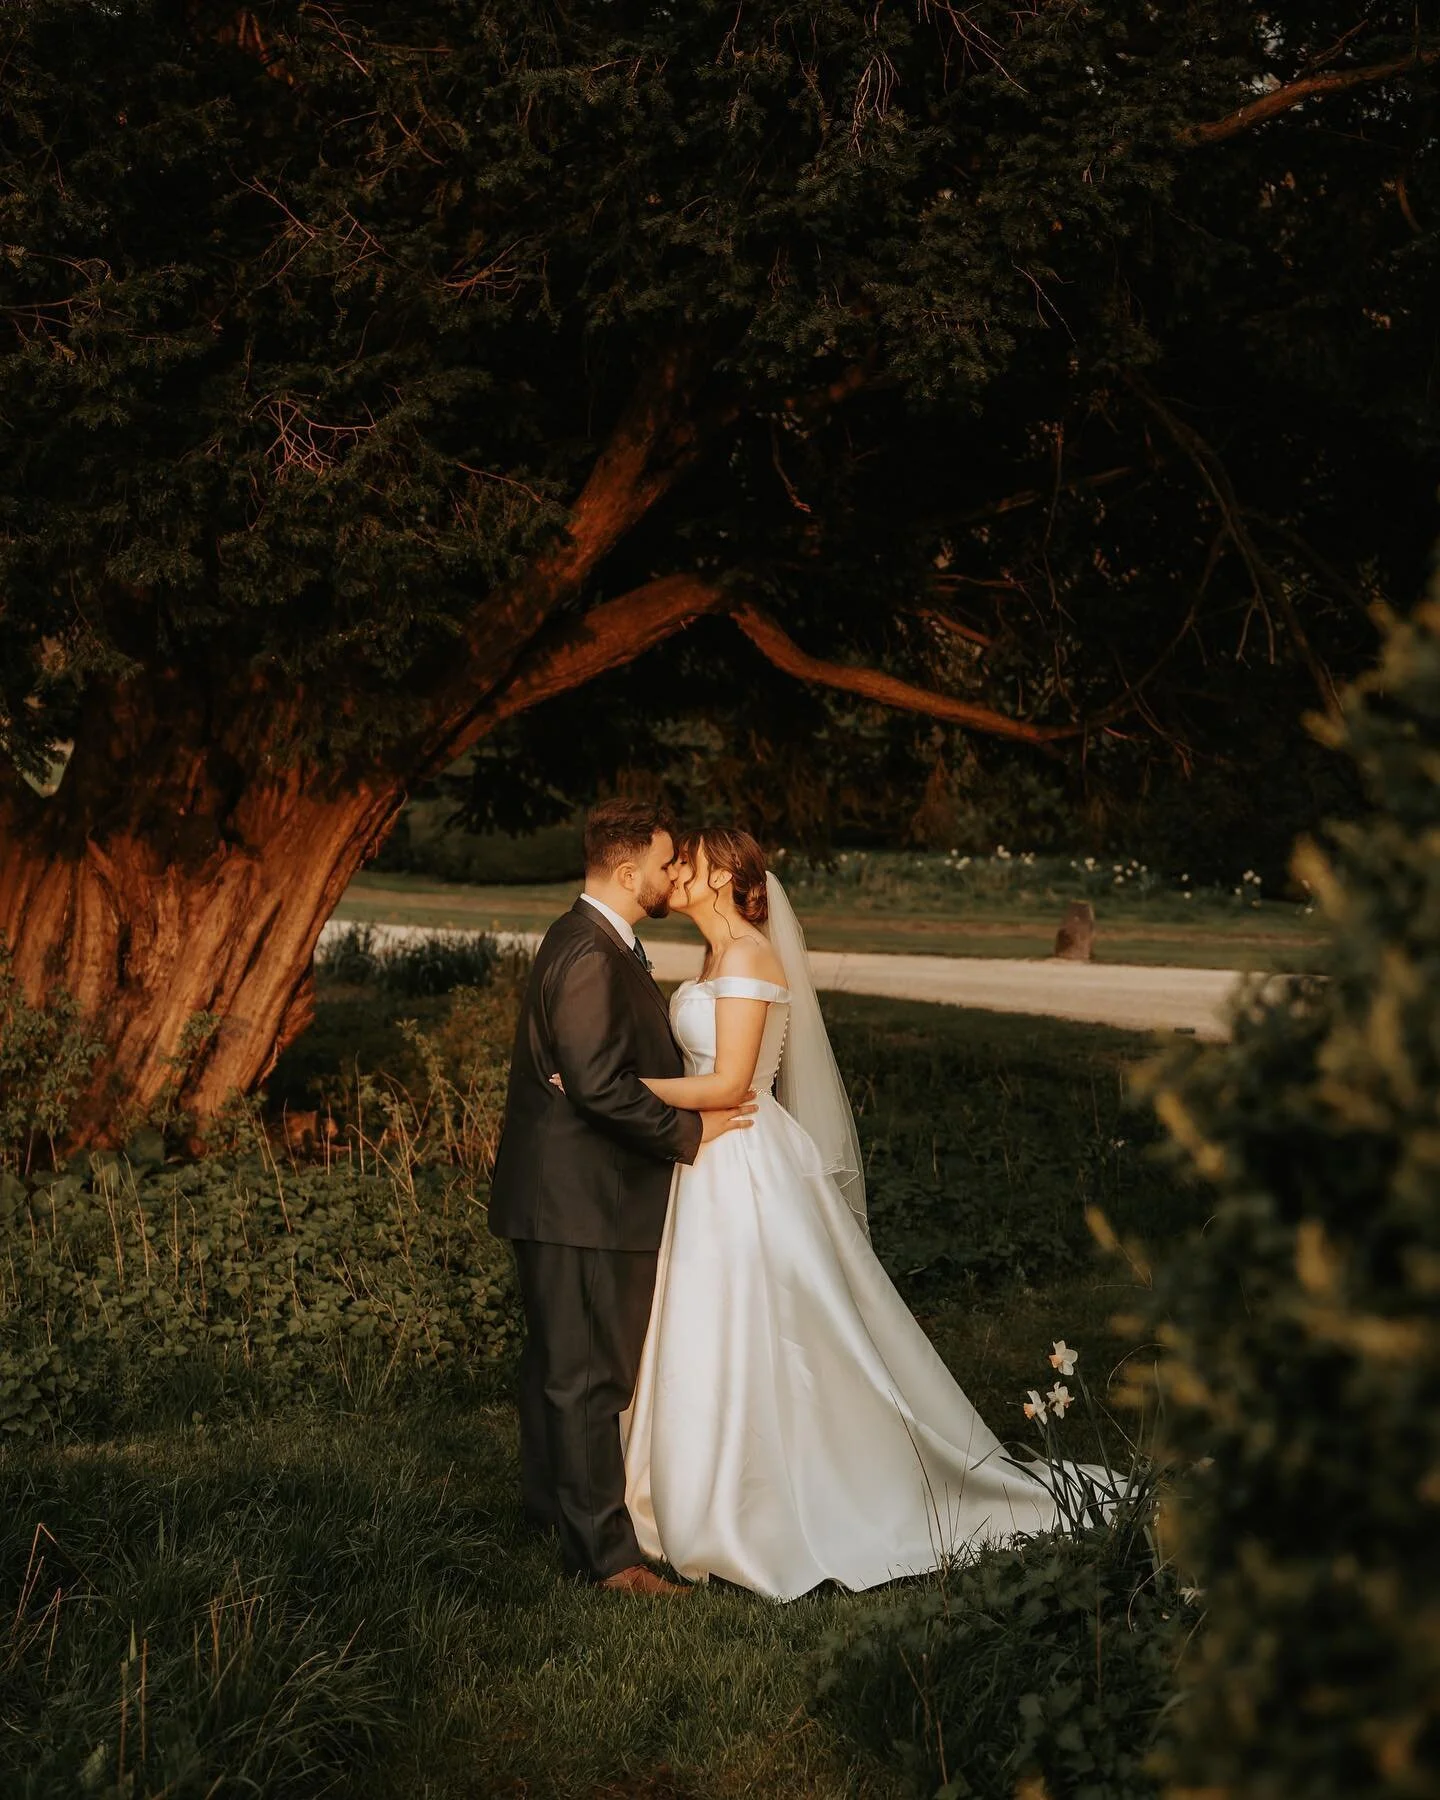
(721, 1119)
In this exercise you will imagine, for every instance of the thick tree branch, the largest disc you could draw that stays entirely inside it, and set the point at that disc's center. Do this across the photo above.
(889, 690)
(657, 439)
(934, 616)
(623, 629)
(1307, 87)
(606, 638)
(654, 441)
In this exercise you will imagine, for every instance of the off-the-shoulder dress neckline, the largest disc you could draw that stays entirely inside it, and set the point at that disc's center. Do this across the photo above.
(777, 988)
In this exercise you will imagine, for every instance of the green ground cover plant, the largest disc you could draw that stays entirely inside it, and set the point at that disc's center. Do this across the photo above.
(986, 1142)
(1305, 1354)
(171, 1289)
(1045, 1668)
(45, 1055)
(260, 1530)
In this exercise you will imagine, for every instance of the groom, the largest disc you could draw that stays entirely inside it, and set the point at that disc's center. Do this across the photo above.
(582, 1183)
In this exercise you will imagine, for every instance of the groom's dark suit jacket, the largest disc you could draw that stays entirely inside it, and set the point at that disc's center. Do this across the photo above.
(590, 1166)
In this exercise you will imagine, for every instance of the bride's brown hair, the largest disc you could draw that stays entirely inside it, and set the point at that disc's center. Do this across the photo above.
(741, 857)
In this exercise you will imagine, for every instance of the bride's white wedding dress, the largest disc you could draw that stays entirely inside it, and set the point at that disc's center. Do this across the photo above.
(792, 1423)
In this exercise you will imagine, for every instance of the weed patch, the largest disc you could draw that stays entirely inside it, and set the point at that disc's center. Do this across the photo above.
(133, 1290)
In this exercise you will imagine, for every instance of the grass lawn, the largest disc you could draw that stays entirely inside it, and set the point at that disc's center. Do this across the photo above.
(1217, 935)
(329, 1596)
(336, 1603)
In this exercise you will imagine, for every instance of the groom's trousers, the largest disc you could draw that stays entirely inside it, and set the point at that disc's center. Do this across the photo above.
(586, 1313)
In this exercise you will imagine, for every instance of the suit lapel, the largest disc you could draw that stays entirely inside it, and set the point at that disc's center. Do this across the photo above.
(612, 938)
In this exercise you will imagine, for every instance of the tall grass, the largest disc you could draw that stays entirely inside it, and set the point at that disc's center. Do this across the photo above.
(321, 1604)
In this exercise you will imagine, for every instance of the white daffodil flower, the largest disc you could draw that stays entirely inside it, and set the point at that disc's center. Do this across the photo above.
(1063, 1358)
(1035, 1408)
(1058, 1399)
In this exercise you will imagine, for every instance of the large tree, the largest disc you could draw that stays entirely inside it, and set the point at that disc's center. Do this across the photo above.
(372, 378)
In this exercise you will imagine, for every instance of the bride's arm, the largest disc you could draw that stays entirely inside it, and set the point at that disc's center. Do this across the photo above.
(739, 1027)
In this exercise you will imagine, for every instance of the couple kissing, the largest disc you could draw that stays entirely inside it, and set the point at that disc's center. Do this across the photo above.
(718, 1374)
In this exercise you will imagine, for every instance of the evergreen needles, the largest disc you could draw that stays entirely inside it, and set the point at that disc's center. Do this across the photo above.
(1304, 1361)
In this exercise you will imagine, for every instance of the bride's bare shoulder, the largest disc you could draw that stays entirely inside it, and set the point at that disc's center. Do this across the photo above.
(753, 959)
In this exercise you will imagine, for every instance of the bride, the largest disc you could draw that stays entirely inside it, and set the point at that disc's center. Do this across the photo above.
(791, 1423)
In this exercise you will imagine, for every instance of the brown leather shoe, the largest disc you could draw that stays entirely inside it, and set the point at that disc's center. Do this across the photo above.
(637, 1579)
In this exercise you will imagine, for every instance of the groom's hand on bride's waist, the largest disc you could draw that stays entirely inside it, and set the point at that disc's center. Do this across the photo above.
(716, 1123)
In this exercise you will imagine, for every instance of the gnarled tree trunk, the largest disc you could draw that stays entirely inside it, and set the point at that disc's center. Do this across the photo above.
(189, 859)
(153, 891)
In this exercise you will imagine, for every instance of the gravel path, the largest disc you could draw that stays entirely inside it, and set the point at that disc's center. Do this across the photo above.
(1135, 996)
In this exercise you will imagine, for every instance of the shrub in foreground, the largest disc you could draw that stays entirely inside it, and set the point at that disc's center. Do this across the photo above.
(1304, 1336)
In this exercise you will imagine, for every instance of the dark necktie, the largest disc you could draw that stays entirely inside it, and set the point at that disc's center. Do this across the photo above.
(641, 957)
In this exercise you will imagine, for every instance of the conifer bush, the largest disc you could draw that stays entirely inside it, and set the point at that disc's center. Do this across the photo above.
(1303, 1362)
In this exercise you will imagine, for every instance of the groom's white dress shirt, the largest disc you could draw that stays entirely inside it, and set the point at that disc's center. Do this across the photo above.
(623, 926)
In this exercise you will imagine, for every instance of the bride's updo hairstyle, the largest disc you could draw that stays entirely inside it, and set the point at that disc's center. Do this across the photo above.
(742, 858)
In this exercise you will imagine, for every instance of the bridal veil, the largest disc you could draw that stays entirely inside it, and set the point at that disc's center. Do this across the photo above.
(809, 1085)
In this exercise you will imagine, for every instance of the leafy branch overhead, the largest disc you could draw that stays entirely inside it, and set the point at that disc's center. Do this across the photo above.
(812, 390)
(467, 323)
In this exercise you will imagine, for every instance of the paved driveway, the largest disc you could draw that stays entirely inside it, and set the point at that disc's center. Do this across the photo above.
(1139, 997)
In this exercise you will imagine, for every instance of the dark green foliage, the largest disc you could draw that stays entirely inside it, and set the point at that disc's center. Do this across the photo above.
(1053, 1659)
(45, 1055)
(182, 1286)
(1305, 1356)
(309, 353)
(985, 1145)
(409, 967)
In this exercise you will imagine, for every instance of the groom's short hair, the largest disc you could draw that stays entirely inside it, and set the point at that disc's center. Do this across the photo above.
(619, 831)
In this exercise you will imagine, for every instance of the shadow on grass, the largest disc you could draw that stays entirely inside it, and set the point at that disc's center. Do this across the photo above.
(317, 1603)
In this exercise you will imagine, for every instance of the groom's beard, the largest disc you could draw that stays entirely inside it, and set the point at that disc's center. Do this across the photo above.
(656, 900)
